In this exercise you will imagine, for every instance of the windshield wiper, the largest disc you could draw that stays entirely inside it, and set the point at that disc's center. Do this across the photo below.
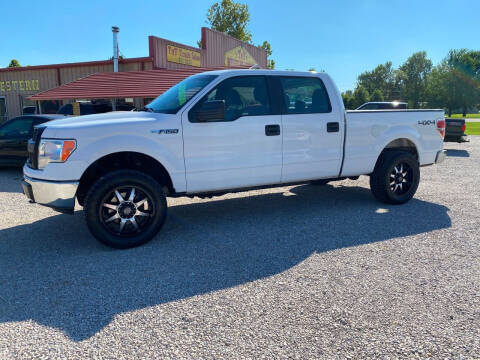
(147, 109)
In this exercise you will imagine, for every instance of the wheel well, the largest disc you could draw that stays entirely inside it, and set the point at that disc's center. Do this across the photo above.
(402, 144)
(123, 160)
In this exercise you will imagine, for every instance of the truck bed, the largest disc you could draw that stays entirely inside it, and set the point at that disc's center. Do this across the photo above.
(368, 132)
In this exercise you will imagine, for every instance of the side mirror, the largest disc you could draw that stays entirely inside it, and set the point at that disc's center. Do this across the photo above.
(211, 111)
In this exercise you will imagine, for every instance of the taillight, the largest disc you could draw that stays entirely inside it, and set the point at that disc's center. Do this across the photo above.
(441, 127)
(464, 127)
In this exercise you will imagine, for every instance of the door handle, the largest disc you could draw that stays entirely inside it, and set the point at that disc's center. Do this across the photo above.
(333, 127)
(272, 130)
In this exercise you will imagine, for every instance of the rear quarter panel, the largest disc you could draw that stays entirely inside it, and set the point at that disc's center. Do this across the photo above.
(369, 132)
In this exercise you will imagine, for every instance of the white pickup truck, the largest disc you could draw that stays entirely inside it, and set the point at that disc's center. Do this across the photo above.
(218, 132)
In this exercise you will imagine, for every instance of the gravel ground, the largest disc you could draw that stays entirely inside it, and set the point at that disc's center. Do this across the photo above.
(293, 272)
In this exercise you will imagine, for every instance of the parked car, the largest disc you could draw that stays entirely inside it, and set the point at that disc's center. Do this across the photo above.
(88, 108)
(383, 105)
(455, 130)
(219, 132)
(14, 135)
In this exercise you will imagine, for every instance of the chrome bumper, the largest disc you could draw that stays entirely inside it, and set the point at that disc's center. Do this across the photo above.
(441, 155)
(59, 195)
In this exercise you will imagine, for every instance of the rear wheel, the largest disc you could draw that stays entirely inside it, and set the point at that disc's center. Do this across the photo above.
(395, 178)
(125, 209)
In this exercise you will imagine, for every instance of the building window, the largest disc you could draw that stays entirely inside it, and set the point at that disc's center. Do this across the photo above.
(3, 109)
(29, 107)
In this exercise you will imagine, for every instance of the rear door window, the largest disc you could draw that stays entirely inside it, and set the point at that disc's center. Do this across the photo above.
(305, 95)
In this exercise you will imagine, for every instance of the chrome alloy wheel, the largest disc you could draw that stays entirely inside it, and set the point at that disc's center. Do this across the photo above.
(401, 179)
(127, 211)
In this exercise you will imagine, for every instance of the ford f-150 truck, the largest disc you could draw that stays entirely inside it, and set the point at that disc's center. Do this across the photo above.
(219, 132)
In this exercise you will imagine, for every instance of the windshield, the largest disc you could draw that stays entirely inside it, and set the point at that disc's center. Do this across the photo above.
(172, 100)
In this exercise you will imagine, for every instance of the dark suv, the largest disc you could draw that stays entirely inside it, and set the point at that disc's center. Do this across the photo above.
(14, 136)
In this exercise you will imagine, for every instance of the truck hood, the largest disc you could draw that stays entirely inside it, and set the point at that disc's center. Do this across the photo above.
(106, 119)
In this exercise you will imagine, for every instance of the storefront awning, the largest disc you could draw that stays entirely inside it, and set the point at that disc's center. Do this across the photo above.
(128, 84)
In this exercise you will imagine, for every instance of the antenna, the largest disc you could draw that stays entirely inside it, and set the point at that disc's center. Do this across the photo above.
(255, 67)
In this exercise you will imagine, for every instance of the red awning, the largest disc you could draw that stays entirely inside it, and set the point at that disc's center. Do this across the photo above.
(127, 84)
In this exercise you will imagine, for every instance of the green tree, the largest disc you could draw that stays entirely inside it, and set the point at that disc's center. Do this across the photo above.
(377, 95)
(347, 98)
(360, 96)
(413, 78)
(383, 78)
(231, 18)
(463, 78)
(438, 92)
(14, 63)
(454, 83)
(268, 49)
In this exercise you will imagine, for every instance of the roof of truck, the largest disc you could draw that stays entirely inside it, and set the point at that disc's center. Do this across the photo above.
(262, 72)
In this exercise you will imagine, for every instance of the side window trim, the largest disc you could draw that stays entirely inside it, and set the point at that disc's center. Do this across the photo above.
(214, 87)
(285, 106)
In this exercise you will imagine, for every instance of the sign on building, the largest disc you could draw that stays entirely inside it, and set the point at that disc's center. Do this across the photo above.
(19, 85)
(239, 56)
(180, 55)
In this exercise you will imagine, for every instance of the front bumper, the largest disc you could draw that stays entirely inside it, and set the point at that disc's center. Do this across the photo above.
(441, 155)
(59, 195)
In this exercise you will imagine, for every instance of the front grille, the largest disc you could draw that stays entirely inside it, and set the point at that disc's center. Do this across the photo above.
(33, 146)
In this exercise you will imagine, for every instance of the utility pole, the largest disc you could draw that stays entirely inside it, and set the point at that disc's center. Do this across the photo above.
(115, 31)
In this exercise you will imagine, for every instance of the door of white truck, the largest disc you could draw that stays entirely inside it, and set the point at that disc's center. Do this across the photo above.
(243, 149)
(312, 130)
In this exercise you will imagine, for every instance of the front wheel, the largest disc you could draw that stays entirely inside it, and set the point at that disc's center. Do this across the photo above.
(125, 208)
(395, 178)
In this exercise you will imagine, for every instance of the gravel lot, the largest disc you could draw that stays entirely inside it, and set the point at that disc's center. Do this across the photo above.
(294, 272)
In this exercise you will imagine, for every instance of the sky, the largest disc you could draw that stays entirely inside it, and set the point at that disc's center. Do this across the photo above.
(341, 37)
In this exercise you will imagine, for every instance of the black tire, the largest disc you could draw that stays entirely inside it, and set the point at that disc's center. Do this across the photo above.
(389, 184)
(142, 216)
(321, 182)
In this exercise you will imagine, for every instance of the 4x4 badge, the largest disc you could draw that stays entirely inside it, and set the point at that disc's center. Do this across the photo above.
(426, 122)
(165, 131)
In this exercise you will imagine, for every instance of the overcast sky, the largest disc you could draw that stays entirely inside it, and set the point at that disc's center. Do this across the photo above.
(343, 38)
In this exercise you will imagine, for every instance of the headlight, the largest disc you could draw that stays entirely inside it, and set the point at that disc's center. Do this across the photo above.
(54, 151)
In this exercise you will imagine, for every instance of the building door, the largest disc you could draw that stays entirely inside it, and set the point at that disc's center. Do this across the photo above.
(3, 109)
(243, 149)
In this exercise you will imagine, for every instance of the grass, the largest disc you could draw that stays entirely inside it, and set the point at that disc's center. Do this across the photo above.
(469, 116)
(473, 128)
